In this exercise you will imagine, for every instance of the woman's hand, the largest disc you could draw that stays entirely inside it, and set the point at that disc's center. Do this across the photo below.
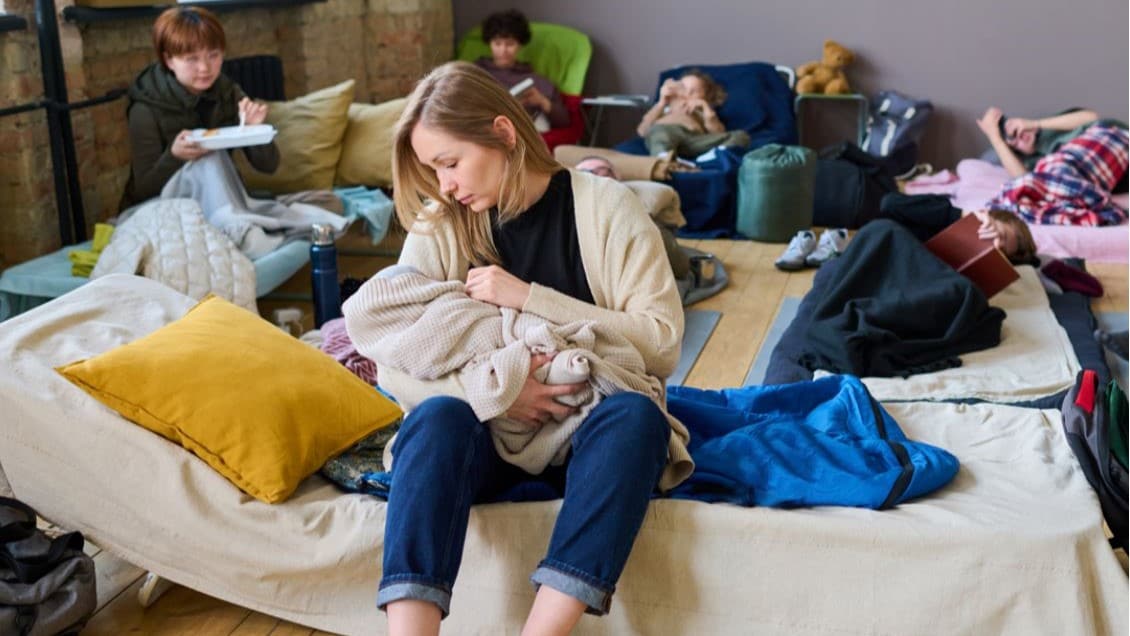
(1015, 126)
(254, 113)
(185, 149)
(536, 403)
(494, 285)
(669, 90)
(989, 123)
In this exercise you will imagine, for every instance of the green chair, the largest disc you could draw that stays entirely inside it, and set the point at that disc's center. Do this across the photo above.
(558, 53)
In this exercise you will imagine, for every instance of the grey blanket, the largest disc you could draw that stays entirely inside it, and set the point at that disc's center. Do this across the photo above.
(256, 226)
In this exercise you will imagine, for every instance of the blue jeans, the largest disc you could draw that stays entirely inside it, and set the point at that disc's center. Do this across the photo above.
(446, 461)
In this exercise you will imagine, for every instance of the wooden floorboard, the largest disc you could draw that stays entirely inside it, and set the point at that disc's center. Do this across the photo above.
(749, 306)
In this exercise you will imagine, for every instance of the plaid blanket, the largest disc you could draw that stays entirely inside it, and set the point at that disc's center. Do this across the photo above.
(1072, 186)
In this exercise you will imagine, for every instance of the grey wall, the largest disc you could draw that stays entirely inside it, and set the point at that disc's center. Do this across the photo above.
(1030, 58)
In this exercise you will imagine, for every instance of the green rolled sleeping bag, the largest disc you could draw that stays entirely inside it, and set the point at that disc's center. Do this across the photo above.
(775, 185)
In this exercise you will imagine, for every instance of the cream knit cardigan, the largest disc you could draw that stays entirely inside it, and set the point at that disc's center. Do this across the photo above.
(429, 328)
(627, 272)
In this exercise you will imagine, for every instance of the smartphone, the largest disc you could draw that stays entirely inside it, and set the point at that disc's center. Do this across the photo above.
(522, 87)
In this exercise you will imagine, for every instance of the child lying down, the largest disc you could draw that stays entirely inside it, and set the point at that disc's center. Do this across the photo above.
(429, 329)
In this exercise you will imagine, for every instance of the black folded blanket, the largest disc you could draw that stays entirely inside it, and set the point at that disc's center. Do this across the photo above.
(888, 307)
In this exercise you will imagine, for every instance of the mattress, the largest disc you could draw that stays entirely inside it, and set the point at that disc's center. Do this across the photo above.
(979, 181)
(1035, 358)
(1014, 545)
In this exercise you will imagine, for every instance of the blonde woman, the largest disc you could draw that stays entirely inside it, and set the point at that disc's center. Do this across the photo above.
(488, 205)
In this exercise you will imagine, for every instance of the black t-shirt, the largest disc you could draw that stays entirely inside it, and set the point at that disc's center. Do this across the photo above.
(541, 245)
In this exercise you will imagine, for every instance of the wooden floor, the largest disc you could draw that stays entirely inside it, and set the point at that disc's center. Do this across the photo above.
(748, 306)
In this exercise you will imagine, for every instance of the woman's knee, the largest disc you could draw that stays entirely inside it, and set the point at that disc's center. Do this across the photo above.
(637, 420)
(439, 421)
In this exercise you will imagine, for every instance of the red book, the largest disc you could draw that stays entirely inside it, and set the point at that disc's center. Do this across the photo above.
(976, 258)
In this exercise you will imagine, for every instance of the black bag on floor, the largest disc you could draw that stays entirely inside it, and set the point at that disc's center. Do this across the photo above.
(47, 586)
(895, 126)
(1095, 422)
(849, 185)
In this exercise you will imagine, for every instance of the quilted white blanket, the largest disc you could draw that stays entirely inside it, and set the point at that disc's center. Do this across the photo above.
(169, 241)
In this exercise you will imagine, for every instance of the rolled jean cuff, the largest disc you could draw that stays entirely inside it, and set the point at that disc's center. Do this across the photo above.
(415, 591)
(598, 599)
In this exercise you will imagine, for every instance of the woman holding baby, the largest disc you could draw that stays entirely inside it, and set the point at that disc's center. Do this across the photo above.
(488, 205)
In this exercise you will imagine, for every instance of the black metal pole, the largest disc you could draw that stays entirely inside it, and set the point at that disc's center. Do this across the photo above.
(68, 195)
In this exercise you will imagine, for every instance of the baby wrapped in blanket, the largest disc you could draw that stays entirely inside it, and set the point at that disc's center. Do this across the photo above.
(428, 329)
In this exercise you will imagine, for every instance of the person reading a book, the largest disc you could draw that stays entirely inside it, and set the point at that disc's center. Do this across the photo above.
(1064, 168)
(683, 121)
(507, 32)
(928, 214)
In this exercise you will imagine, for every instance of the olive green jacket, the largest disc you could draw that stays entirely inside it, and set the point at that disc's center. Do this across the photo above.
(159, 108)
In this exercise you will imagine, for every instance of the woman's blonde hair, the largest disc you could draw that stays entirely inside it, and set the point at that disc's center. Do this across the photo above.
(463, 101)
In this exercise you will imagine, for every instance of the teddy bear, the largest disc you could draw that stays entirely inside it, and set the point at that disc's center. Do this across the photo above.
(827, 75)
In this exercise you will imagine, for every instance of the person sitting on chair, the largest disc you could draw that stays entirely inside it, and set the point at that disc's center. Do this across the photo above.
(182, 91)
(507, 32)
(186, 90)
(683, 121)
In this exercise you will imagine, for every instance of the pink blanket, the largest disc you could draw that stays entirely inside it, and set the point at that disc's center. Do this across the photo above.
(979, 181)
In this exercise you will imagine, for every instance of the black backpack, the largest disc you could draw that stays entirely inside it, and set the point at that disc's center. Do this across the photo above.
(896, 124)
(849, 185)
(47, 586)
(1095, 422)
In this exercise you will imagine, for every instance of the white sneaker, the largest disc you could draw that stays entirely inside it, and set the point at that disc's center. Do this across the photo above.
(798, 250)
(832, 243)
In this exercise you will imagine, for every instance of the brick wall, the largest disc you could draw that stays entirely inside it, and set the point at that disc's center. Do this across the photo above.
(385, 45)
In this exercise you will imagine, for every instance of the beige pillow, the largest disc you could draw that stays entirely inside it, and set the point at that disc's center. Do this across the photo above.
(366, 150)
(310, 129)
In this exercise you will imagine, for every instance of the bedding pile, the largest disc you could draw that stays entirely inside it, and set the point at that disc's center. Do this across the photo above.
(170, 241)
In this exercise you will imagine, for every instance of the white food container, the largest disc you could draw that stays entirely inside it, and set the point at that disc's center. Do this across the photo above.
(233, 136)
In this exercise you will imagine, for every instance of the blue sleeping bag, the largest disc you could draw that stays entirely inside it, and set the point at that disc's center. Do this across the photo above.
(825, 442)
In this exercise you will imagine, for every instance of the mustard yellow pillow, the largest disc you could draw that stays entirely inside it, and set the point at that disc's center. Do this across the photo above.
(366, 150)
(310, 129)
(260, 407)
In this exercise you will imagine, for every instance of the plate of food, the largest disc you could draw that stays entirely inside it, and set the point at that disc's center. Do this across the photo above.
(233, 136)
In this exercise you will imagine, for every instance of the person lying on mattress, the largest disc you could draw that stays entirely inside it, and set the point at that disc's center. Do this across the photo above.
(1064, 168)
(487, 205)
(507, 32)
(683, 121)
(183, 91)
(927, 214)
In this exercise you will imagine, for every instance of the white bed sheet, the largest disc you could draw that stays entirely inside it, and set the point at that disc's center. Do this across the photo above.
(1034, 359)
(1013, 545)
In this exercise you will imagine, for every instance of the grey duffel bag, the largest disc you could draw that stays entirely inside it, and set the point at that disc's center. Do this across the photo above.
(47, 586)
